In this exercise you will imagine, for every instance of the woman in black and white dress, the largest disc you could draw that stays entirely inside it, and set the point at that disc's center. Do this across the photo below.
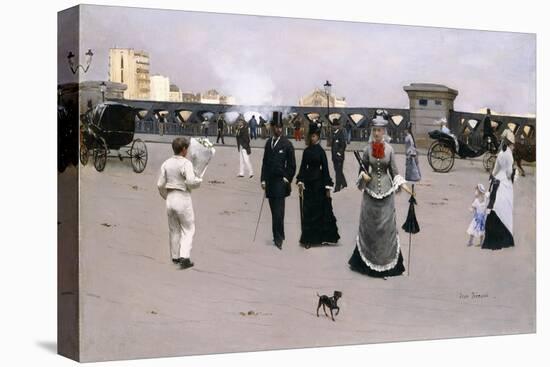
(500, 220)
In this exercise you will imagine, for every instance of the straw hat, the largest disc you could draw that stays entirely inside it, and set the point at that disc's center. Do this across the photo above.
(379, 121)
(481, 188)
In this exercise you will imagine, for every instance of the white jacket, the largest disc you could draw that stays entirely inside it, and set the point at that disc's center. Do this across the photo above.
(177, 173)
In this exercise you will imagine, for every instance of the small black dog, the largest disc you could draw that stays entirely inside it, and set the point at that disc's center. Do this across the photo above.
(330, 302)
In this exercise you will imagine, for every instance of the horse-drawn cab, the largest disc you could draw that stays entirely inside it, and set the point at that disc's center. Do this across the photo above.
(525, 147)
(111, 126)
(442, 152)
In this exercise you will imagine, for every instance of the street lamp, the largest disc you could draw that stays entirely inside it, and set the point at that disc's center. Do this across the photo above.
(74, 69)
(103, 88)
(328, 88)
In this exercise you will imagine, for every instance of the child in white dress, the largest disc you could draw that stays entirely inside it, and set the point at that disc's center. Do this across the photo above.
(476, 229)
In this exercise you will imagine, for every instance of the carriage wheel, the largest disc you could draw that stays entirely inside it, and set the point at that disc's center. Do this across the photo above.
(138, 155)
(489, 160)
(100, 155)
(84, 153)
(441, 157)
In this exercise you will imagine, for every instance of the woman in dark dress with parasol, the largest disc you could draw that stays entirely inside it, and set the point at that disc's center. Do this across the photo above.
(314, 185)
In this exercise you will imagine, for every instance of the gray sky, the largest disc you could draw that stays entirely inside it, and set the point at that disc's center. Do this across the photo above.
(268, 60)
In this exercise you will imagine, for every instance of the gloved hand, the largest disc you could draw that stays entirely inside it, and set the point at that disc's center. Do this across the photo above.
(300, 187)
(365, 176)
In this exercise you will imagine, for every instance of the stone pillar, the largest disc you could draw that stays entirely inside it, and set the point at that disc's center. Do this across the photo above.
(428, 103)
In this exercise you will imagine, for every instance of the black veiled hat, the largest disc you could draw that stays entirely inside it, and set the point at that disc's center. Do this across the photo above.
(314, 128)
(277, 119)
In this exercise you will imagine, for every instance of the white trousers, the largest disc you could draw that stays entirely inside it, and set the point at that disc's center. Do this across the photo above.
(244, 162)
(181, 222)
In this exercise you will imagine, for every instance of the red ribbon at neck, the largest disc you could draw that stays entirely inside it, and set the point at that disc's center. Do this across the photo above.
(377, 149)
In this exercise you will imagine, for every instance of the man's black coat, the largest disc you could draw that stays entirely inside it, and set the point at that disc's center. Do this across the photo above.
(279, 162)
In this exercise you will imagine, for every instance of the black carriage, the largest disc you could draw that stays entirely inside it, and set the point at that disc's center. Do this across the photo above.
(442, 152)
(110, 126)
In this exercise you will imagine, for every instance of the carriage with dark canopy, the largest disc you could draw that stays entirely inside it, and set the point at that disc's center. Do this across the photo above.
(110, 126)
(442, 152)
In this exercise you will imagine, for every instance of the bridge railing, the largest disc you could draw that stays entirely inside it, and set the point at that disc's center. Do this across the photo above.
(153, 127)
(187, 118)
(468, 127)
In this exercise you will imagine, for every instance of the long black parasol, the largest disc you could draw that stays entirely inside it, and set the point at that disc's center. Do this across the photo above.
(411, 226)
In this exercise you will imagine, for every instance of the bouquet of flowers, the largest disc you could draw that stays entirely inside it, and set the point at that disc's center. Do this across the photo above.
(201, 151)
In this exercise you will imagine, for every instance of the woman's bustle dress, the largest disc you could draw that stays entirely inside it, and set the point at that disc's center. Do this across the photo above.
(377, 252)
(318, 222)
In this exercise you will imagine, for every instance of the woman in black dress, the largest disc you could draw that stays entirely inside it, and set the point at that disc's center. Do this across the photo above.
(314, 185)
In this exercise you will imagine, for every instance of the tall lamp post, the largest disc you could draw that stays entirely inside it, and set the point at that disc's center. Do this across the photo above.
(328, 88)
(102, 88)
(74, 67)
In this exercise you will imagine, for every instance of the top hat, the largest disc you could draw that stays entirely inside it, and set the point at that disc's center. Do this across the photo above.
(277, 119)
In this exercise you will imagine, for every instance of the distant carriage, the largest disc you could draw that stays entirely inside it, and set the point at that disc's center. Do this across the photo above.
(110, 126)
(442, 152)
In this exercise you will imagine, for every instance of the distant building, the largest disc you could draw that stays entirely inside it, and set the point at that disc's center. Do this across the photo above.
(318, 98)
(190, 97)
(130, 67)
(175, 94)
(160, 88)
(227, 100)
(212, 96)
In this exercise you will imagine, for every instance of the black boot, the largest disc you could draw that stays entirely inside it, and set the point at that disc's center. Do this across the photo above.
(186, 263)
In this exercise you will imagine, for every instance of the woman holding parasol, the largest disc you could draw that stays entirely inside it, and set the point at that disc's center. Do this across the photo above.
(377, 252)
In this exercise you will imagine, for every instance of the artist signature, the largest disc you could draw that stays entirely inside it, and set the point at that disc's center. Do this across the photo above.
(473, 295)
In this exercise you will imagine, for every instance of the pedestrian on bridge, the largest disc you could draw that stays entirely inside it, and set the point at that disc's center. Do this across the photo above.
(243, 147)
(253, 124)
(221, 130)
(338, 150)
(176, 180)
(278, 169)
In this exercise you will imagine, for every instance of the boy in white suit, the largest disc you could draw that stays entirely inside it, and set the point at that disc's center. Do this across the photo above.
(175, 183)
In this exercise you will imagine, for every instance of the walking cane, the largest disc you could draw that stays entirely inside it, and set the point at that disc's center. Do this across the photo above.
(409, 256)
(301, 196)
(259, 216)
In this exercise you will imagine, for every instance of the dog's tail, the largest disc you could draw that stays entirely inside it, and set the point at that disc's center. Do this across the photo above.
(318, 295)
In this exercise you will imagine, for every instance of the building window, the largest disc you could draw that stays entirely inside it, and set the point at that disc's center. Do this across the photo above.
(437, 102)
(121, 62)
(423, 102)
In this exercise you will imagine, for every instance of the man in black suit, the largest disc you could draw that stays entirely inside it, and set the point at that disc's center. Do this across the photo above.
(278, 169)
(221, 128)
(338, 150)
(488, 132)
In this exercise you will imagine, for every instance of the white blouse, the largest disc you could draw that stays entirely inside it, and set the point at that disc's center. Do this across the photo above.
(504, 165)
(177, 173)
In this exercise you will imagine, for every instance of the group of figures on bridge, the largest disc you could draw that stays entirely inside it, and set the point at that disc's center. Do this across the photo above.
(377, 249)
